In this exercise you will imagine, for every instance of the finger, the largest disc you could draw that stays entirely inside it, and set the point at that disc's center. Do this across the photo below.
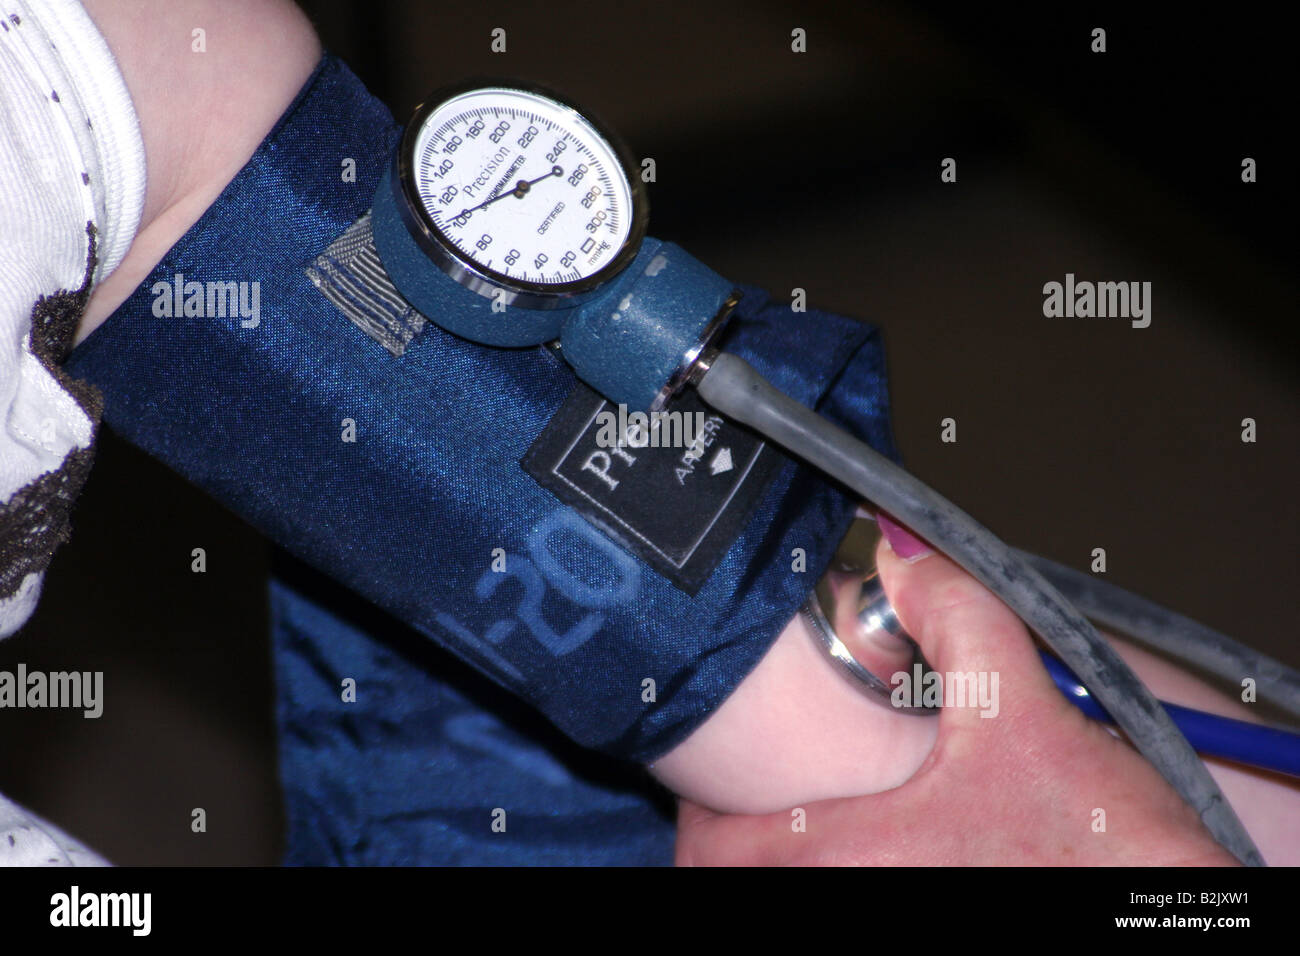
(970, 637)
(705, 838)
(691, 814)
(691, 819)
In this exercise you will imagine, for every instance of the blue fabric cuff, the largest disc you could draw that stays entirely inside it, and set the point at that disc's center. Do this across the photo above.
(253, 406)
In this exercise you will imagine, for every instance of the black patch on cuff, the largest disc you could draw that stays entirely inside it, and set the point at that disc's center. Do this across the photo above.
(678, 507)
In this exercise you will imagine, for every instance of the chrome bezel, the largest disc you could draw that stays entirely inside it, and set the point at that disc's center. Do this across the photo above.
(461, 267)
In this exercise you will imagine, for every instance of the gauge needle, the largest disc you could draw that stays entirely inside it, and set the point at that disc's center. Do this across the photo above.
(519, 192)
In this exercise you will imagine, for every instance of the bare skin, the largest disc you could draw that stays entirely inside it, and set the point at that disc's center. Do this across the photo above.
(201, 115)
(793, 732)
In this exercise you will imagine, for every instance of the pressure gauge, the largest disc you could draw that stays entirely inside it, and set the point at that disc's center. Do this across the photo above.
(510, 217)
(517, 195)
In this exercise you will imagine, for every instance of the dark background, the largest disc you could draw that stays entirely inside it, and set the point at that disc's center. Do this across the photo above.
(818, 171)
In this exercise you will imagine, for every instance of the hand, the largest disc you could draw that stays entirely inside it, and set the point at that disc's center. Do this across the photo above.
(1036, 784)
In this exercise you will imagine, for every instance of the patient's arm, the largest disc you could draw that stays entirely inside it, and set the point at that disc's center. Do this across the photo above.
(794, 731)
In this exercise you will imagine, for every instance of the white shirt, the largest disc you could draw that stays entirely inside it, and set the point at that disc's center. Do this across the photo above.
(70, 155)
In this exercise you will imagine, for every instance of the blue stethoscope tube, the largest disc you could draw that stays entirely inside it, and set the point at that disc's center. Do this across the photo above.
(1209, 734)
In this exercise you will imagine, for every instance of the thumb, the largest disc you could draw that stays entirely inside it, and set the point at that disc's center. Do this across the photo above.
(985, 658)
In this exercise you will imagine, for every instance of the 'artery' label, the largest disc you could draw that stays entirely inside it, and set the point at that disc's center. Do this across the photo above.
(674, 489)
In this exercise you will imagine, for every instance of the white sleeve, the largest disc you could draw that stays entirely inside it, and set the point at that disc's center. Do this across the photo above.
(72, 187)
(27, 840)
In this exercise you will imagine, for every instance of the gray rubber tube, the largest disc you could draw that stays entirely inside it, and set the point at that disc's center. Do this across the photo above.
(1158, 627)
(734, 388)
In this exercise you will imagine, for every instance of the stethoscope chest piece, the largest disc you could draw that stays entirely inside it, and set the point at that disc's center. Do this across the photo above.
(850, 616)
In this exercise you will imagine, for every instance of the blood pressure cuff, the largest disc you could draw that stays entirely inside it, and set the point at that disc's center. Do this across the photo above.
(453, 484)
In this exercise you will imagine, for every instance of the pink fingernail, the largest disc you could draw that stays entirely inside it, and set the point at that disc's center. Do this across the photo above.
(905, 544)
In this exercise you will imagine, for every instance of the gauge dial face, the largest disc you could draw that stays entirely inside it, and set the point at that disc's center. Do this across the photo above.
(523, 188)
